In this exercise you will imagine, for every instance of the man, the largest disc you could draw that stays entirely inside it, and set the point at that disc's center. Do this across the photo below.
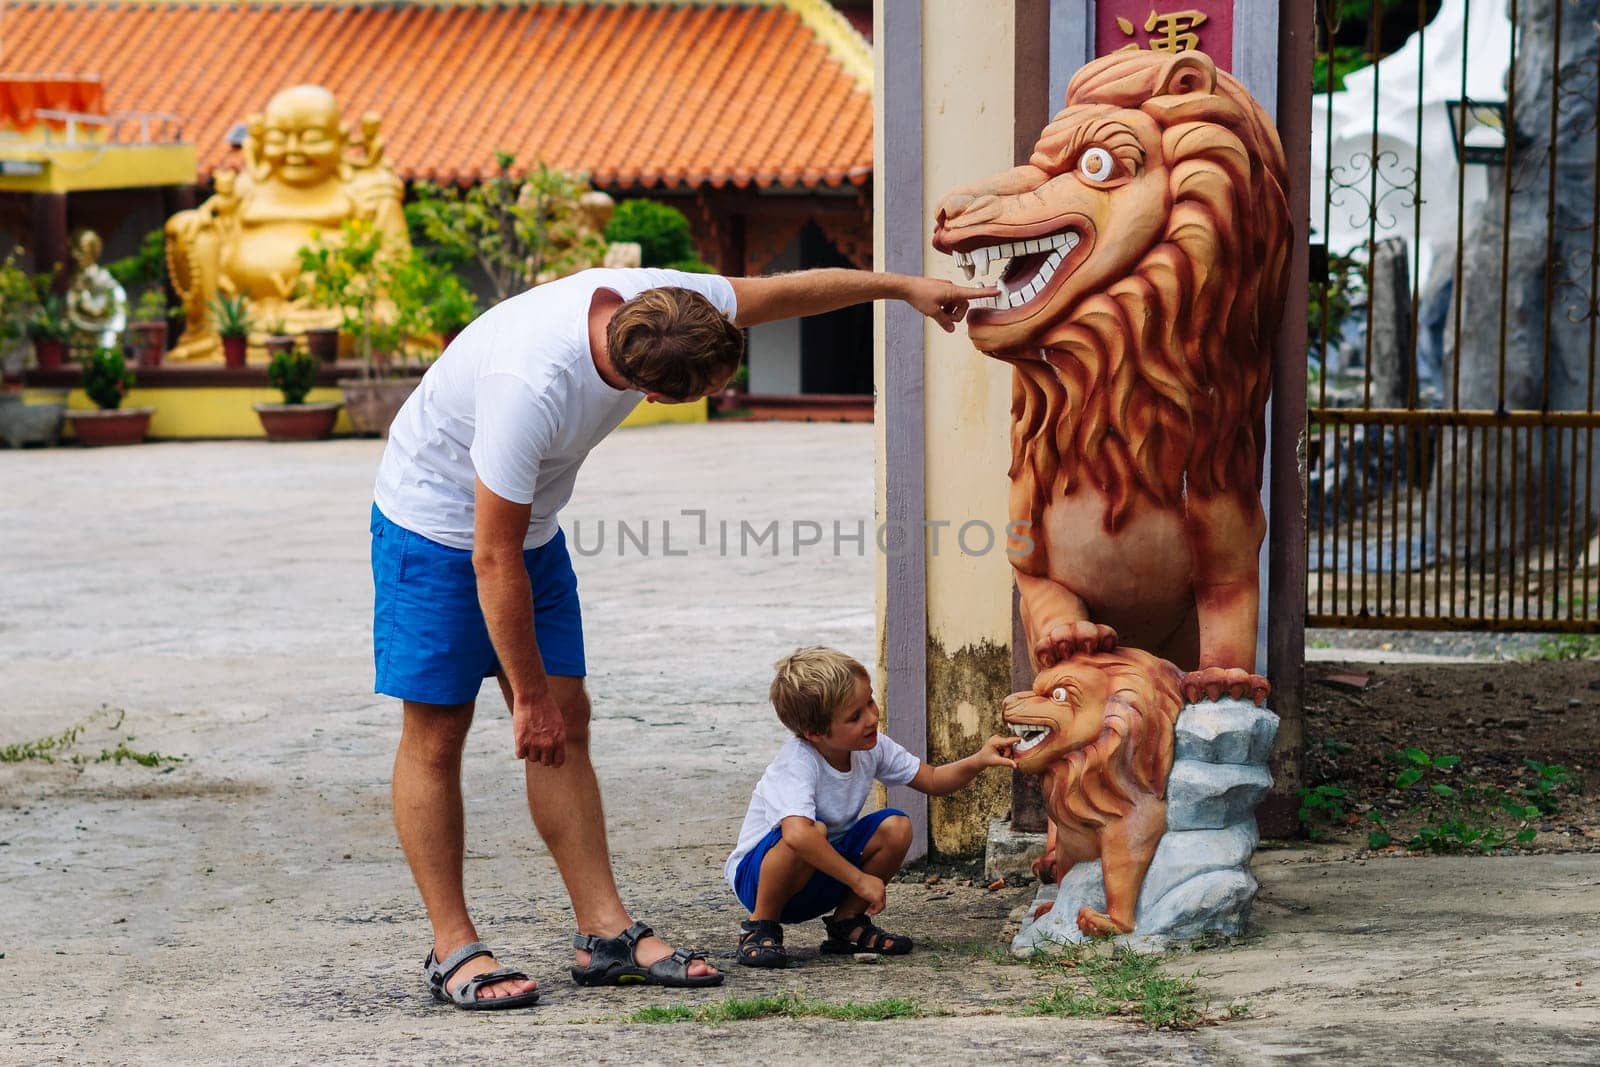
(473, 578)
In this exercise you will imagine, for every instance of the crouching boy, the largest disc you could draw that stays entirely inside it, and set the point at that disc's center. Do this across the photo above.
(805, 849)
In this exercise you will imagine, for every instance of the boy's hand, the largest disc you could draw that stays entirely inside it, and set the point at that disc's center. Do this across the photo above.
(997, 752)
(870, 888)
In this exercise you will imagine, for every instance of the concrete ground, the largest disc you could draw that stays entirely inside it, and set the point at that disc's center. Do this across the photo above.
(250, 903)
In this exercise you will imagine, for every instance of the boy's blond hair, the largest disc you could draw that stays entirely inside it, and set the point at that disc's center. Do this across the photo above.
(811, 684)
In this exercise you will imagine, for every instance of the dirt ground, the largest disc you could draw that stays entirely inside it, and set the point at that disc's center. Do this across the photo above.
(1497, 717)
(250, 904)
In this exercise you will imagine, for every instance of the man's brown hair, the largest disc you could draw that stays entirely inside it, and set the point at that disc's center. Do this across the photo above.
(675, 342)
(812, 684)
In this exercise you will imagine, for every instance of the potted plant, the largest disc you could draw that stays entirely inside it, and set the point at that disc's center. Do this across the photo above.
(293, 373)
(48, 327)
(107, 379)
(277, 338)
(233, 323)
(146, 271)
(381, 297)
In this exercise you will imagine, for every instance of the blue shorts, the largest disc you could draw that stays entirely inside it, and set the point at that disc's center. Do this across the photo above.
(429, 641)
(822, 893)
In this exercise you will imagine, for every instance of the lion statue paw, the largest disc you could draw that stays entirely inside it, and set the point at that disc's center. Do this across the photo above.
(1065, 640)
(1215, 683)
(1098, 924)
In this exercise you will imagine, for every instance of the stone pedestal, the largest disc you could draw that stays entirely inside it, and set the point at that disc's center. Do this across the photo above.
(1199, 882)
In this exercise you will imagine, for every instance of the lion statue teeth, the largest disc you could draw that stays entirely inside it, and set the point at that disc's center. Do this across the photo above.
(1099, 729)
(1142, 253)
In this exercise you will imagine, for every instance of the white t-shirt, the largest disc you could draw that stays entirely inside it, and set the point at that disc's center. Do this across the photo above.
(799, 781)
(516, 401)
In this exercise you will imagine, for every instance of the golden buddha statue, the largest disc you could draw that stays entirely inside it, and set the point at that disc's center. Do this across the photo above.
(97, 306)
(303, 176)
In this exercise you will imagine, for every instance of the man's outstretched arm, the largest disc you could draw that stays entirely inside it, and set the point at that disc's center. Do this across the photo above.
(812, 292)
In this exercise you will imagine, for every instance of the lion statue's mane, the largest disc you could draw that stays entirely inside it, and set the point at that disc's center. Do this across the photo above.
(1157, 384)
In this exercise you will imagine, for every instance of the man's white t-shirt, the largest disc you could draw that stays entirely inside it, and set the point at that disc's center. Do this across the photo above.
(515, 400)
(799, 781)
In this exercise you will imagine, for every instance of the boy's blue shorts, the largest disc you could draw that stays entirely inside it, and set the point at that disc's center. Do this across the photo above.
(429, 641)
(822, 893)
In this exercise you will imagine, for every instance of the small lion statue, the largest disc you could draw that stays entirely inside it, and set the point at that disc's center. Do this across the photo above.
(1143, 252)
(1099, 728)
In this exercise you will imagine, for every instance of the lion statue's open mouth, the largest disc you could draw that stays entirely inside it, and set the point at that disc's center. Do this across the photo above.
(1030, 269)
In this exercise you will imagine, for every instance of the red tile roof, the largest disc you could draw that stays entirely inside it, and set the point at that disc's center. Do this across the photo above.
(640, 94)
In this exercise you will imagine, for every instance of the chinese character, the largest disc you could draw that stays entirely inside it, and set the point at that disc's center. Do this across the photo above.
(1175, 30)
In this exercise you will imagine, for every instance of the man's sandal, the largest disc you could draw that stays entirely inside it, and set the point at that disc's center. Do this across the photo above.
(858, 934)
(761, 944)
(467, 995)
(614, 961)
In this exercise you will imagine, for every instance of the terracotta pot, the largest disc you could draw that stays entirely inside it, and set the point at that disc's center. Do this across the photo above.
(373, 403)
(298, 422)
(150, 342)
(324, 343)
(277, 342)
(118, 426)
(234, 352)
(50, 353)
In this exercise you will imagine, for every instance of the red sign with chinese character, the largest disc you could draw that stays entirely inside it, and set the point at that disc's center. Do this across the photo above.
(1166, 26)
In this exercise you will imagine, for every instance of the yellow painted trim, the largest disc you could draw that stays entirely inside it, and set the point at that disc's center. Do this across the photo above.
(225, 411)
(67, 170)
(648, 414)
(838, 36)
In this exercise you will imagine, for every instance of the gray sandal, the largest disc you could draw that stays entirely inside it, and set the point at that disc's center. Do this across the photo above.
(466, 995)
(612, 961)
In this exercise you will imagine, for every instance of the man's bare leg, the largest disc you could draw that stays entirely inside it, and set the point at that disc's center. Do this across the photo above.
(566, 807)
(428, 817)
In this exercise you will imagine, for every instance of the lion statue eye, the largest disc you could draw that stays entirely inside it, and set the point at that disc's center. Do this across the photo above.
(1096, 164)
(1059, 694)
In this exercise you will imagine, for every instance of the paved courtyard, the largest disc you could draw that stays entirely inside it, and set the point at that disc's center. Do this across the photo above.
(250, 904)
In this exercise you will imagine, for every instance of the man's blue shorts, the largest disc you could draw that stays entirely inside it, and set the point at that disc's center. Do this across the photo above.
(822, 893)
(429, 640)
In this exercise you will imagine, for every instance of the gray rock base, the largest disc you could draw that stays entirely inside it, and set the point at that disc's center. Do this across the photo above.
(1010, 852)
(1199, 881)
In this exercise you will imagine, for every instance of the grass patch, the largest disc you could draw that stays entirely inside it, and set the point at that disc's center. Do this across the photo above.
(1565, 647)
(1100, 981)
(781, 1005)
(59, 746)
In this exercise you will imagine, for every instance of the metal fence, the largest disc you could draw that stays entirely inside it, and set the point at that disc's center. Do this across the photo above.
(1451, 479)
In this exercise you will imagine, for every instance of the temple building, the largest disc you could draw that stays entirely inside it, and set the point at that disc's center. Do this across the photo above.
(753, 117)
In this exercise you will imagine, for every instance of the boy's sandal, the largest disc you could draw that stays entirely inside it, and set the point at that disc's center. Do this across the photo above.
(614, 961)
(761, 944)
(858, 934)
(467, 995)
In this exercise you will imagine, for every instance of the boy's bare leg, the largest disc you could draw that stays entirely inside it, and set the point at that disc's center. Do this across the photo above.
(566, 807)
(428, 818)
(882, 857)
(783, 874)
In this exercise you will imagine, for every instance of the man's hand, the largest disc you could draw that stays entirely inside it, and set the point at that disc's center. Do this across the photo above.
(538, 731)
(870, 888)
(997, 752)
(944, 302)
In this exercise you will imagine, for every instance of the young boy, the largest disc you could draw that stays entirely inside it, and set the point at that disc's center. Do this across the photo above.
(804, 850)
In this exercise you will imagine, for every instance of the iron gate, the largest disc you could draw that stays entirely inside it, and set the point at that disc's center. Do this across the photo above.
(1454, 314)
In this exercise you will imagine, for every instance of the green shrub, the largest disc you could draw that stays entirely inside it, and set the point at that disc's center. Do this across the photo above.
(106, 378)
(293, 373)
(661, 232)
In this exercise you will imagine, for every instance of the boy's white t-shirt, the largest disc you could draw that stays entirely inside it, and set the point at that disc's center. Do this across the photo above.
(515, 400)
(799, 781)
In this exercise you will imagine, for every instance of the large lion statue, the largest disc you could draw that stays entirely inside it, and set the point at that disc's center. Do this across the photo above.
(1144, 248)
(1099, 728)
